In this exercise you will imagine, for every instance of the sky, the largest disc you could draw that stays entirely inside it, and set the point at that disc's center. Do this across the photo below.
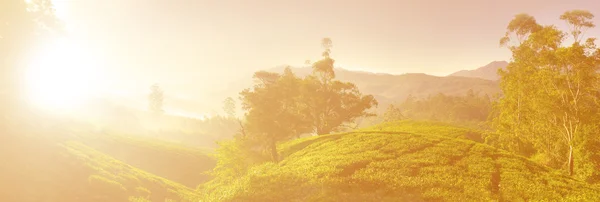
(198, 46)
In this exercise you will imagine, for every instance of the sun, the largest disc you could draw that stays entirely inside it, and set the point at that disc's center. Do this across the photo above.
(61, 76)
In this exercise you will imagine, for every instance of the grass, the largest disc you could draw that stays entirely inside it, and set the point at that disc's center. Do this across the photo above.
(56, 164)
(404, 161)
(429, 128)
(109, 177)
(180, 163)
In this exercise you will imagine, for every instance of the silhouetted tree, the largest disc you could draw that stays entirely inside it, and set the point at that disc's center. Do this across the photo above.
(229, 107)
(327, 44)
(283, 106)
(272, 109)
(331, 103)
(155, 99)
(392, 113)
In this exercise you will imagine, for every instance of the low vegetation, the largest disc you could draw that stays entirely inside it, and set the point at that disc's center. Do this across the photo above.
(413, 162)
(470, 107)
(180, 163)
(54, 169)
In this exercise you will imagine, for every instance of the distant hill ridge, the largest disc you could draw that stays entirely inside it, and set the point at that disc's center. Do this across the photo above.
(489, 71)
(390, 88)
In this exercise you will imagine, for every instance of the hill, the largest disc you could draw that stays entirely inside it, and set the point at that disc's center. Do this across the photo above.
(48, 158)
(404, 161)
(45, 167)
(182, 163)
(389, 88)
(176, 162)
(489, 71)
(113, 118)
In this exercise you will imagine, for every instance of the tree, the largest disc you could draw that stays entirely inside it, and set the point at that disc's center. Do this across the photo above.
(549, 90)
(327, 44)
(282, 106)
(332, 103)
(272, 109)
(155, 99)
(470, 108)
(578, 21)
(392, 113)
(229, 107)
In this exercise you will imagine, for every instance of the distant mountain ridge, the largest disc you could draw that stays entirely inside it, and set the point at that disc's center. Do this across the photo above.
(489, 71)
(390, 88)
(386, 88)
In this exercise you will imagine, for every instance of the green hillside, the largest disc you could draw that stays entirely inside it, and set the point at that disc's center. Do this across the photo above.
(47, 167)
(182, 164)
(404, 161)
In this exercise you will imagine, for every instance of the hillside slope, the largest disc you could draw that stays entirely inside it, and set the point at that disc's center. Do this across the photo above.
(176, 162)
(49, 167)
(397, 164)
(489, 71)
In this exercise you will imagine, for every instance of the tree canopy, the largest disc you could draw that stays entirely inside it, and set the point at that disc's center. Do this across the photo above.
(155, 99)
(283, 106)
(549, 107)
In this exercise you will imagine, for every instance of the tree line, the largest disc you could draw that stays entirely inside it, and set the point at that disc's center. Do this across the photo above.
(549, 107)
(471, 107)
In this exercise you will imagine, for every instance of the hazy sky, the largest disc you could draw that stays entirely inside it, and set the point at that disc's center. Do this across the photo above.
(202, 44)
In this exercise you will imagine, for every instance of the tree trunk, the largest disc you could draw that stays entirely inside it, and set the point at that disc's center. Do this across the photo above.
(571, 160)
(323, 131)
(242, 130)
(274, 154)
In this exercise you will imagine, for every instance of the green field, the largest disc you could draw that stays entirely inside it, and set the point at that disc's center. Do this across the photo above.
(399, 161)
(403, 161)
(180, 163)
(45, 168)
(69, 162)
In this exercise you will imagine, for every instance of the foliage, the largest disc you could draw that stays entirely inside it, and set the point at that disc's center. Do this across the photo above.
(273, 107)
(467, 108)
(282, 106)
(549, 101)
(229, 107)
(331, 103)
(393, 113)
(234, 158)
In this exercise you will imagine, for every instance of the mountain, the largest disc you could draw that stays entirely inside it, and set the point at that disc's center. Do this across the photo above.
(403, 161)
(196, 100)
(389, 88)
(489, 71)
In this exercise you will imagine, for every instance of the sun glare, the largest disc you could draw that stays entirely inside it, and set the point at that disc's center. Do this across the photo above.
(61, 77)
(60, 8)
